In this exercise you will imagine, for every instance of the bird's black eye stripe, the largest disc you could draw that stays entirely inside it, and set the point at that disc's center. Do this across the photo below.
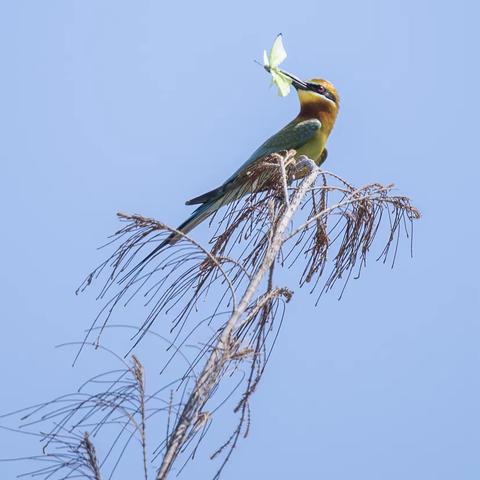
(316, 88)
(322, 90)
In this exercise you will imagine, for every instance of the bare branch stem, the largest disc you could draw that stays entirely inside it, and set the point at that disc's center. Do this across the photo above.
(221, 351)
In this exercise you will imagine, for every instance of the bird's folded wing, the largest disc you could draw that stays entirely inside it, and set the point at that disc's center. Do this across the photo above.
(293, 136)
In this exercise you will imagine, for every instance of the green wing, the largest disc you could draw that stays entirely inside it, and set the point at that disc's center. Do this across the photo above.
(292, 136)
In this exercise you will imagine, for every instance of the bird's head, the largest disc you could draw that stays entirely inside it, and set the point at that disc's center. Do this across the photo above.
(315, 91)
(320, 91)
(318, 98)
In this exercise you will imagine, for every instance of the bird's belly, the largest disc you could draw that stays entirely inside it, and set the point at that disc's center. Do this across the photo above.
(313, 149)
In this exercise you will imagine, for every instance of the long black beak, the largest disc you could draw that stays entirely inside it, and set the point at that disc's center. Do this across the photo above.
(296, 82)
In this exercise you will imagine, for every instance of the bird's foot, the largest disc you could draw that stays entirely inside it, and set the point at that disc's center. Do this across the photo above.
(304, 162)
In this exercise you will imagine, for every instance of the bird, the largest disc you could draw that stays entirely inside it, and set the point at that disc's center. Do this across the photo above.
(307, 134)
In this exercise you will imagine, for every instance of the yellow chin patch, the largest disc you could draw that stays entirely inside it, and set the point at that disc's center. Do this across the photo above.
(308, 98)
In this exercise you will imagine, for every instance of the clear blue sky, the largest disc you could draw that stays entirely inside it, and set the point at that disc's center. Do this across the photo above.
(104, 105)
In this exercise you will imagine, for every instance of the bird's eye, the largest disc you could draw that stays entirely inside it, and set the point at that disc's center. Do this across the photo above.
(321, 89)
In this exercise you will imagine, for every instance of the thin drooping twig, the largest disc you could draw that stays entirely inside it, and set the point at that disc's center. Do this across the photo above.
(328, 227)
(122, 404)
(221, 350)
(140, 377)
(91, 456)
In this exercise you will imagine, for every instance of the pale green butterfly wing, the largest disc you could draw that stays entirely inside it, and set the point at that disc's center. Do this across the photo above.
(282, 82)
(271, 63)
(278, 53)
(266, 62)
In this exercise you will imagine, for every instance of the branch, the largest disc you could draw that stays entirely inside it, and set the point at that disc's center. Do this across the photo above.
(277, 222)
(222, 350)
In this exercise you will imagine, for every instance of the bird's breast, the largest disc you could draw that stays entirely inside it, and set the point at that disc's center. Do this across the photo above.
(314, 147)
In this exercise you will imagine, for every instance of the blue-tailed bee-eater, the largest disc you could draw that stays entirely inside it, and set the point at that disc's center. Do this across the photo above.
(307, 134)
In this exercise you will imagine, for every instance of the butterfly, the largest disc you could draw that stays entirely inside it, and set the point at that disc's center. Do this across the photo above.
(271, 62)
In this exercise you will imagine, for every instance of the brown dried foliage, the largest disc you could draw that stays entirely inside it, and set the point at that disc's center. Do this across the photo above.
(320, 223)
